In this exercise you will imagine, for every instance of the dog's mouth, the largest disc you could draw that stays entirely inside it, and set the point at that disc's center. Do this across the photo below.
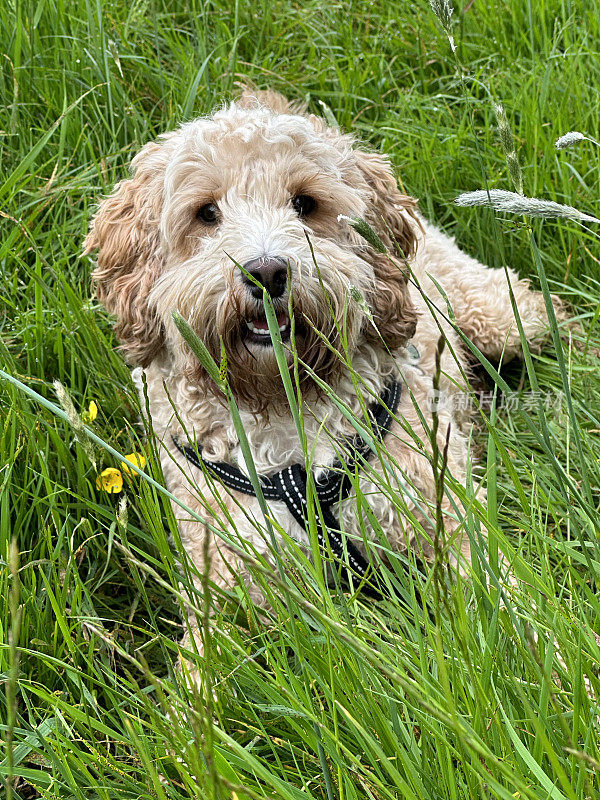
(257, 329)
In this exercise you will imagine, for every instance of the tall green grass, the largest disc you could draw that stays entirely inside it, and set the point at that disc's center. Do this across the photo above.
(453, 691)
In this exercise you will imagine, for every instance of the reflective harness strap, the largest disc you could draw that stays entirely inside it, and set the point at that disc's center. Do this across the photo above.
(289, 486)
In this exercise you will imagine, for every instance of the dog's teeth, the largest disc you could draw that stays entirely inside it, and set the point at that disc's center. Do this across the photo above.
(265, 331)
(259, 331)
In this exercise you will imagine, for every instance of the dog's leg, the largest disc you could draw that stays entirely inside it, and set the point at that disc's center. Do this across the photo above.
(410, 448)
(218, 565)
(212, 558)
(223, 569)
(480, 298)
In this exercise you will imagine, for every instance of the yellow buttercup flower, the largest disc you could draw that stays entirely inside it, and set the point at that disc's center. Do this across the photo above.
(91, 414)
(110, 480)
(137, 459)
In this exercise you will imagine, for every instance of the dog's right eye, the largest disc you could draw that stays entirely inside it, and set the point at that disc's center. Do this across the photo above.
(304, 204)
(208, 214)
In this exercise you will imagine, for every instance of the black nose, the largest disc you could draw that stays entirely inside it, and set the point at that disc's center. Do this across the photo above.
(270, 272)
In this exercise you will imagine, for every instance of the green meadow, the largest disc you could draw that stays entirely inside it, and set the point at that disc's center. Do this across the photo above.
(454, 689)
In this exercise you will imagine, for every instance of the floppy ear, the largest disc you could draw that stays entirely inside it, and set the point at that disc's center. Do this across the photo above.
(393, 216)
(391, 213)
(125, 231)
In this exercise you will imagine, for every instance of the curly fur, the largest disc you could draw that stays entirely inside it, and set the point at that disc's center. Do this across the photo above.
(154, 255)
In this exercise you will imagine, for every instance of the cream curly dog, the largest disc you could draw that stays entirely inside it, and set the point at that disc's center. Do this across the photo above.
(264, 185)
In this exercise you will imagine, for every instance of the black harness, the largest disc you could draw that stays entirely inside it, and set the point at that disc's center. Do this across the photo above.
(289, 485)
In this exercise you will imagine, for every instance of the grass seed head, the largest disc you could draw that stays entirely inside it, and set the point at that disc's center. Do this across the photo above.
(513, 203)
(567, 139)
(443, 9)
(506, 140)
(75, 420)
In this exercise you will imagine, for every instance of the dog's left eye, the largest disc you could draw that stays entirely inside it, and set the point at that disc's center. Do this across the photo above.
(304, 204)
(209, 214)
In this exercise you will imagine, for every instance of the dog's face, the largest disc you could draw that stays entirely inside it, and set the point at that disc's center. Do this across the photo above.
(258, 186)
